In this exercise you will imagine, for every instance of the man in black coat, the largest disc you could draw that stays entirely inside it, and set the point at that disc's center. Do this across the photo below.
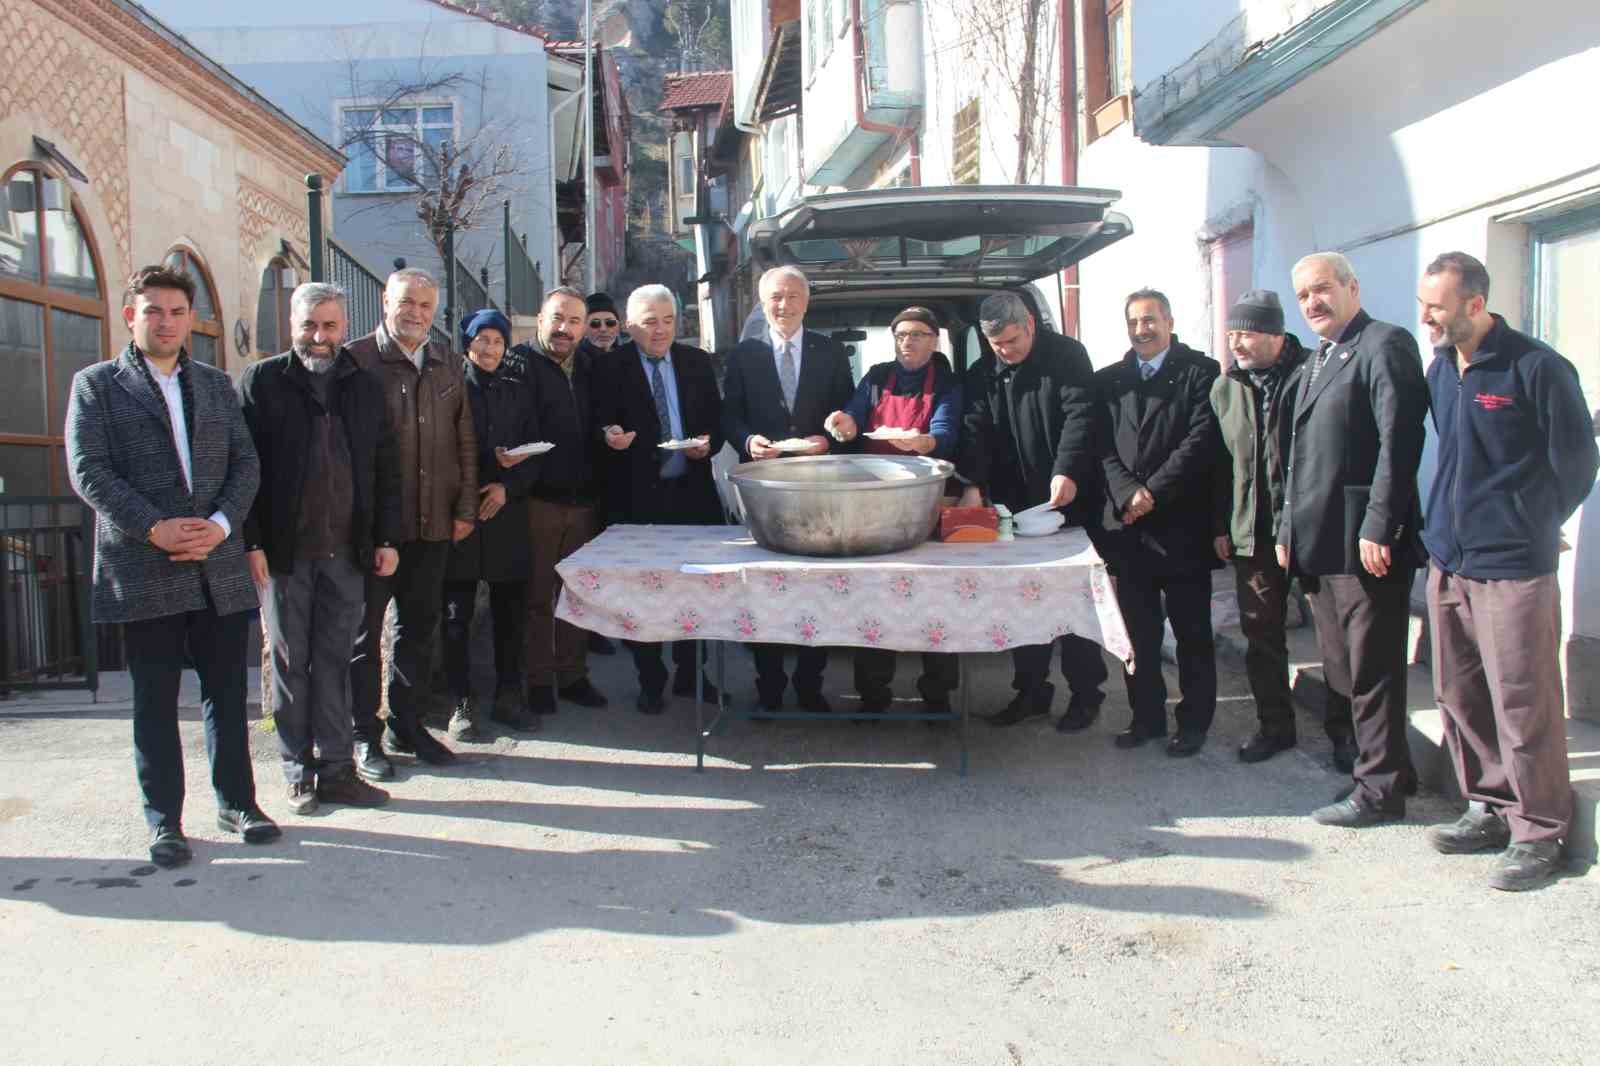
(327, 513)
(1159, 453)
(1028, 437)
(783, 387)
(1351, 521)
(497, 552)
(563, 514)
(647, 393)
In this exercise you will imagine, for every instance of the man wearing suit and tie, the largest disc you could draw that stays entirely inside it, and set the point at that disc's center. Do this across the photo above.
(1159, 453)
(1351, 521)
(648, 392)
(784, 385)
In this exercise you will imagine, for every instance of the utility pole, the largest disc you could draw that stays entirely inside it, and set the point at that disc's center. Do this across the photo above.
(590, 245)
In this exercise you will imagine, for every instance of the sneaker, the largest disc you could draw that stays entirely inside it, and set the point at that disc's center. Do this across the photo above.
(347, 788)
(1524, 866)
(1479, 829)
(463, 721)
(302, 797)
(250, 823)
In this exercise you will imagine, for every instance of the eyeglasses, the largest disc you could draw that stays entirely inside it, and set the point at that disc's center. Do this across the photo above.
(909, 334)
(602, 323)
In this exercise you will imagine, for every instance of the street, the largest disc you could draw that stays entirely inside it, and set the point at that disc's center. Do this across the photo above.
(830, 893)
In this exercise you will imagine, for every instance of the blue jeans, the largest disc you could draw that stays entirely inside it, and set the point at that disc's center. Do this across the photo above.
(158, 650)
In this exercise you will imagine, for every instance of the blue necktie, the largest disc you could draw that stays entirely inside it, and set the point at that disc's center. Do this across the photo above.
(658, 389)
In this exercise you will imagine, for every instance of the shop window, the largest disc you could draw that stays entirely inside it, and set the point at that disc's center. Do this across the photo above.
(205, 336)
(52, 324)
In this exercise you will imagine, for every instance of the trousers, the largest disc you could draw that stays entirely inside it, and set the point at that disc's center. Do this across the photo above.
(310, 619)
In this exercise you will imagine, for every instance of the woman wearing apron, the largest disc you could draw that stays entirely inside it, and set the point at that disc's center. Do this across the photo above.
(919, 391)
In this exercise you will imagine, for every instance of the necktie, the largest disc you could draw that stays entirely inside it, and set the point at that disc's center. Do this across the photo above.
(658, 389)
(1316, 367)
(788, 376)
(1147, 370)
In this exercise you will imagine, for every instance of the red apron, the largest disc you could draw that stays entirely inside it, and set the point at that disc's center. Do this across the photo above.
(901, 412)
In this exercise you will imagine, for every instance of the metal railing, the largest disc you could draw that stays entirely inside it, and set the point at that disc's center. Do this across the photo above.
(524, 286)
(471, 294)
(363, 288)
(47, 638)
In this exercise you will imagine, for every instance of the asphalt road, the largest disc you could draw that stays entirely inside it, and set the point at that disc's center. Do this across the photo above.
(822, 894)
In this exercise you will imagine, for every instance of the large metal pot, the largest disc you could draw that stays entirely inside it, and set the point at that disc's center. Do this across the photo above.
(841, 504)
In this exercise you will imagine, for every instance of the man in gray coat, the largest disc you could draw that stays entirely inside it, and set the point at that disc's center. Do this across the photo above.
(157, 445)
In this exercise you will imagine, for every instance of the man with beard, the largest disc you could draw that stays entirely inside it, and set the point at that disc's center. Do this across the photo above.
(327, 513)
(1254, 407)
(426, 399)
(1028, 436)
(1350, 522)
(1158, 454)
(1516, 458)
(562, 516)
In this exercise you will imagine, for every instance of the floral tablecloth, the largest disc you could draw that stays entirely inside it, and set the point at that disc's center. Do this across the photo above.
(715, 583)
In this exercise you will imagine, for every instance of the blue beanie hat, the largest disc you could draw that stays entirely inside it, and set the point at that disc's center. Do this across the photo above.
(488, 318)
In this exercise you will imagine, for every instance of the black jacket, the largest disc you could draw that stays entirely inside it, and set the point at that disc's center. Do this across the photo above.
(275, 395)
(502, 416)
(752, 399)
(1160, 435)
(1357, 440)
(1516, 457)
(633, 490)
(1051, 398)
(562, 408)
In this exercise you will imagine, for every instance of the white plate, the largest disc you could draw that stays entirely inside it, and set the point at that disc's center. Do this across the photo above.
(793, 444)
(1038, 508)
(1037, 532)
(891, 433)
(536, 448)
(683, 445)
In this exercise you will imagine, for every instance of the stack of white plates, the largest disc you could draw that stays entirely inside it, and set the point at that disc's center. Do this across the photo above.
(1038, 522)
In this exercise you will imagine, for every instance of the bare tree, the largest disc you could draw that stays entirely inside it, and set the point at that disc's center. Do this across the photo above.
(689, 21)
(1006, 50)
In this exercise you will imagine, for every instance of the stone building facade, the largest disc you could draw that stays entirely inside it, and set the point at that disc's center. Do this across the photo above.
(121, 145)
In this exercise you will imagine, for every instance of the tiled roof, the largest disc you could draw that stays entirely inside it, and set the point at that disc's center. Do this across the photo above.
(483, 12)
(705, 89)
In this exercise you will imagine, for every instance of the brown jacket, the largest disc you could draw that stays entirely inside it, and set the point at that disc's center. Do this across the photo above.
(432, 424)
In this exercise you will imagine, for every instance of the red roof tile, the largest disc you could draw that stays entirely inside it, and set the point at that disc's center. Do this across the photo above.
(704, 89)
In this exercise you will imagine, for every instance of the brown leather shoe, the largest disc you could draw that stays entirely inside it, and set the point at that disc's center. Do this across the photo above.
(348, 789)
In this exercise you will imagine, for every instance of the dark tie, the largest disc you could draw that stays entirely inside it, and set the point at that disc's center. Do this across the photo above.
(1316, 366)
(658, 389)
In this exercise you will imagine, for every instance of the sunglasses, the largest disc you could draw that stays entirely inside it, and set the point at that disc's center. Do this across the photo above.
(602, 323)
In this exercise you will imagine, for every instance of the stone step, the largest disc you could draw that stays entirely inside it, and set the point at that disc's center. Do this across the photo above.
(1426, 733)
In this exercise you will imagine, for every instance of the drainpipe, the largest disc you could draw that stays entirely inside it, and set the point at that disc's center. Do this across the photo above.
(573, 96)
(1066, 20)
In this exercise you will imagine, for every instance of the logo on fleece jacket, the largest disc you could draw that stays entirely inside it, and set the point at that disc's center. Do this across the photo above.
(1490, 402)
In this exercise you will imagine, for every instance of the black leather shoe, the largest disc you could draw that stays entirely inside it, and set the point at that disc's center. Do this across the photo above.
(430, 750)
(1479, 829)
(1185, 742)
(398, 739)
(511, 712)
(1344, 754)
(541, 700)
(1082, 712)
(1264, 746)
(168, 848)
(650, 702)
(583, 693)
(1525, 866)
(683, 685)
(1351, 813)
(1136, 736)
(814, 702)
(372, 763)
(600, 644)
(769, 702)
(1034, 703)
(255, 827)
